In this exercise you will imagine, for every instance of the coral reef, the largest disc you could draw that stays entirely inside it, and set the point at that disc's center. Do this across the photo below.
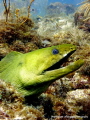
(69, 97)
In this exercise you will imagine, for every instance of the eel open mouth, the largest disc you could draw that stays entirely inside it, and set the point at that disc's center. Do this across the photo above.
(61, 63)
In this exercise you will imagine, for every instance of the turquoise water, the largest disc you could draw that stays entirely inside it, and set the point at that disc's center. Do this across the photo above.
(39, 7)
(75, 2)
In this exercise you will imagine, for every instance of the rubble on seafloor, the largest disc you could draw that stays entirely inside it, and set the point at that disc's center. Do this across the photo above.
(12, 105)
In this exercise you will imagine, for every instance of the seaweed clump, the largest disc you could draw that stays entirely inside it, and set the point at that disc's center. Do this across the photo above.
(82, 16)
(18, 29)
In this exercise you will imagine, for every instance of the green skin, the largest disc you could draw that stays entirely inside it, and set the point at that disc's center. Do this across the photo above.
(29, 72)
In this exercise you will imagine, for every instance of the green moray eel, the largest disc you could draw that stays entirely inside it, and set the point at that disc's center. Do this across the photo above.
(31, 73)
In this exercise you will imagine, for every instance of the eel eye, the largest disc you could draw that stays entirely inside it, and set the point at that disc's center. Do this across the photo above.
(55, 51)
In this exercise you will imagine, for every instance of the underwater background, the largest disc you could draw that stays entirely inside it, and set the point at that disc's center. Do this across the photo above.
(39, 7)
(29, 25)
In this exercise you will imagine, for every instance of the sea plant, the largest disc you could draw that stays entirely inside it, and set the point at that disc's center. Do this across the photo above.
(7, 8)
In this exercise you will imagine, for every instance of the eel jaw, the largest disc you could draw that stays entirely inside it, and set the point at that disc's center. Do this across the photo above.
(60, 63)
